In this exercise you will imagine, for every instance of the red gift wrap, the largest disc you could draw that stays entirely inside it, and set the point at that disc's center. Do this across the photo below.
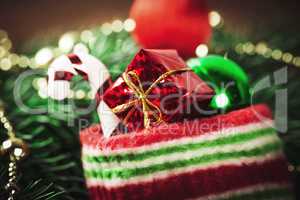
(146, 86)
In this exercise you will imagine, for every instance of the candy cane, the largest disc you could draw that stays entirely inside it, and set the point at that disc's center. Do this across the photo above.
(63, 68)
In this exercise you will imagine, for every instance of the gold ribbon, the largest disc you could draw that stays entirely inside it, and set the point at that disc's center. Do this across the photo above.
(142, 96)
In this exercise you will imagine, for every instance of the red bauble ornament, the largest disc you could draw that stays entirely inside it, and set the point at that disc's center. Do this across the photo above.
(179, 24)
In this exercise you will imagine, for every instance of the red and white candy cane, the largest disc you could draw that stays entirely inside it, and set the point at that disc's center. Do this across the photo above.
(63, 68)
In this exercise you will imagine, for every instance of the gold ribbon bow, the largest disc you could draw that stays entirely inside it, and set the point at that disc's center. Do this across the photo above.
(142, 96)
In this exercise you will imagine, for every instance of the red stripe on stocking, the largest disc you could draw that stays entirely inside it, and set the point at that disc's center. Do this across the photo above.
(199, 183)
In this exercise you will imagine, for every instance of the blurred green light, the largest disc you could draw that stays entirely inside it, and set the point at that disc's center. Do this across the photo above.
(221, 100)
(193, 62)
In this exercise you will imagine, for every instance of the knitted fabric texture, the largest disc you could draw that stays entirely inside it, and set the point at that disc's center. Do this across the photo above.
(231, 156)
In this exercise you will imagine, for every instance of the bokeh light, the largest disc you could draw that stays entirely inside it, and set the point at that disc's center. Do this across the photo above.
(43, 56)
(202, 50)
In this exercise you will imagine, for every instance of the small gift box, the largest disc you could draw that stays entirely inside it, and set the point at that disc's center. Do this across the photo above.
(231, 156)
(156, 87)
